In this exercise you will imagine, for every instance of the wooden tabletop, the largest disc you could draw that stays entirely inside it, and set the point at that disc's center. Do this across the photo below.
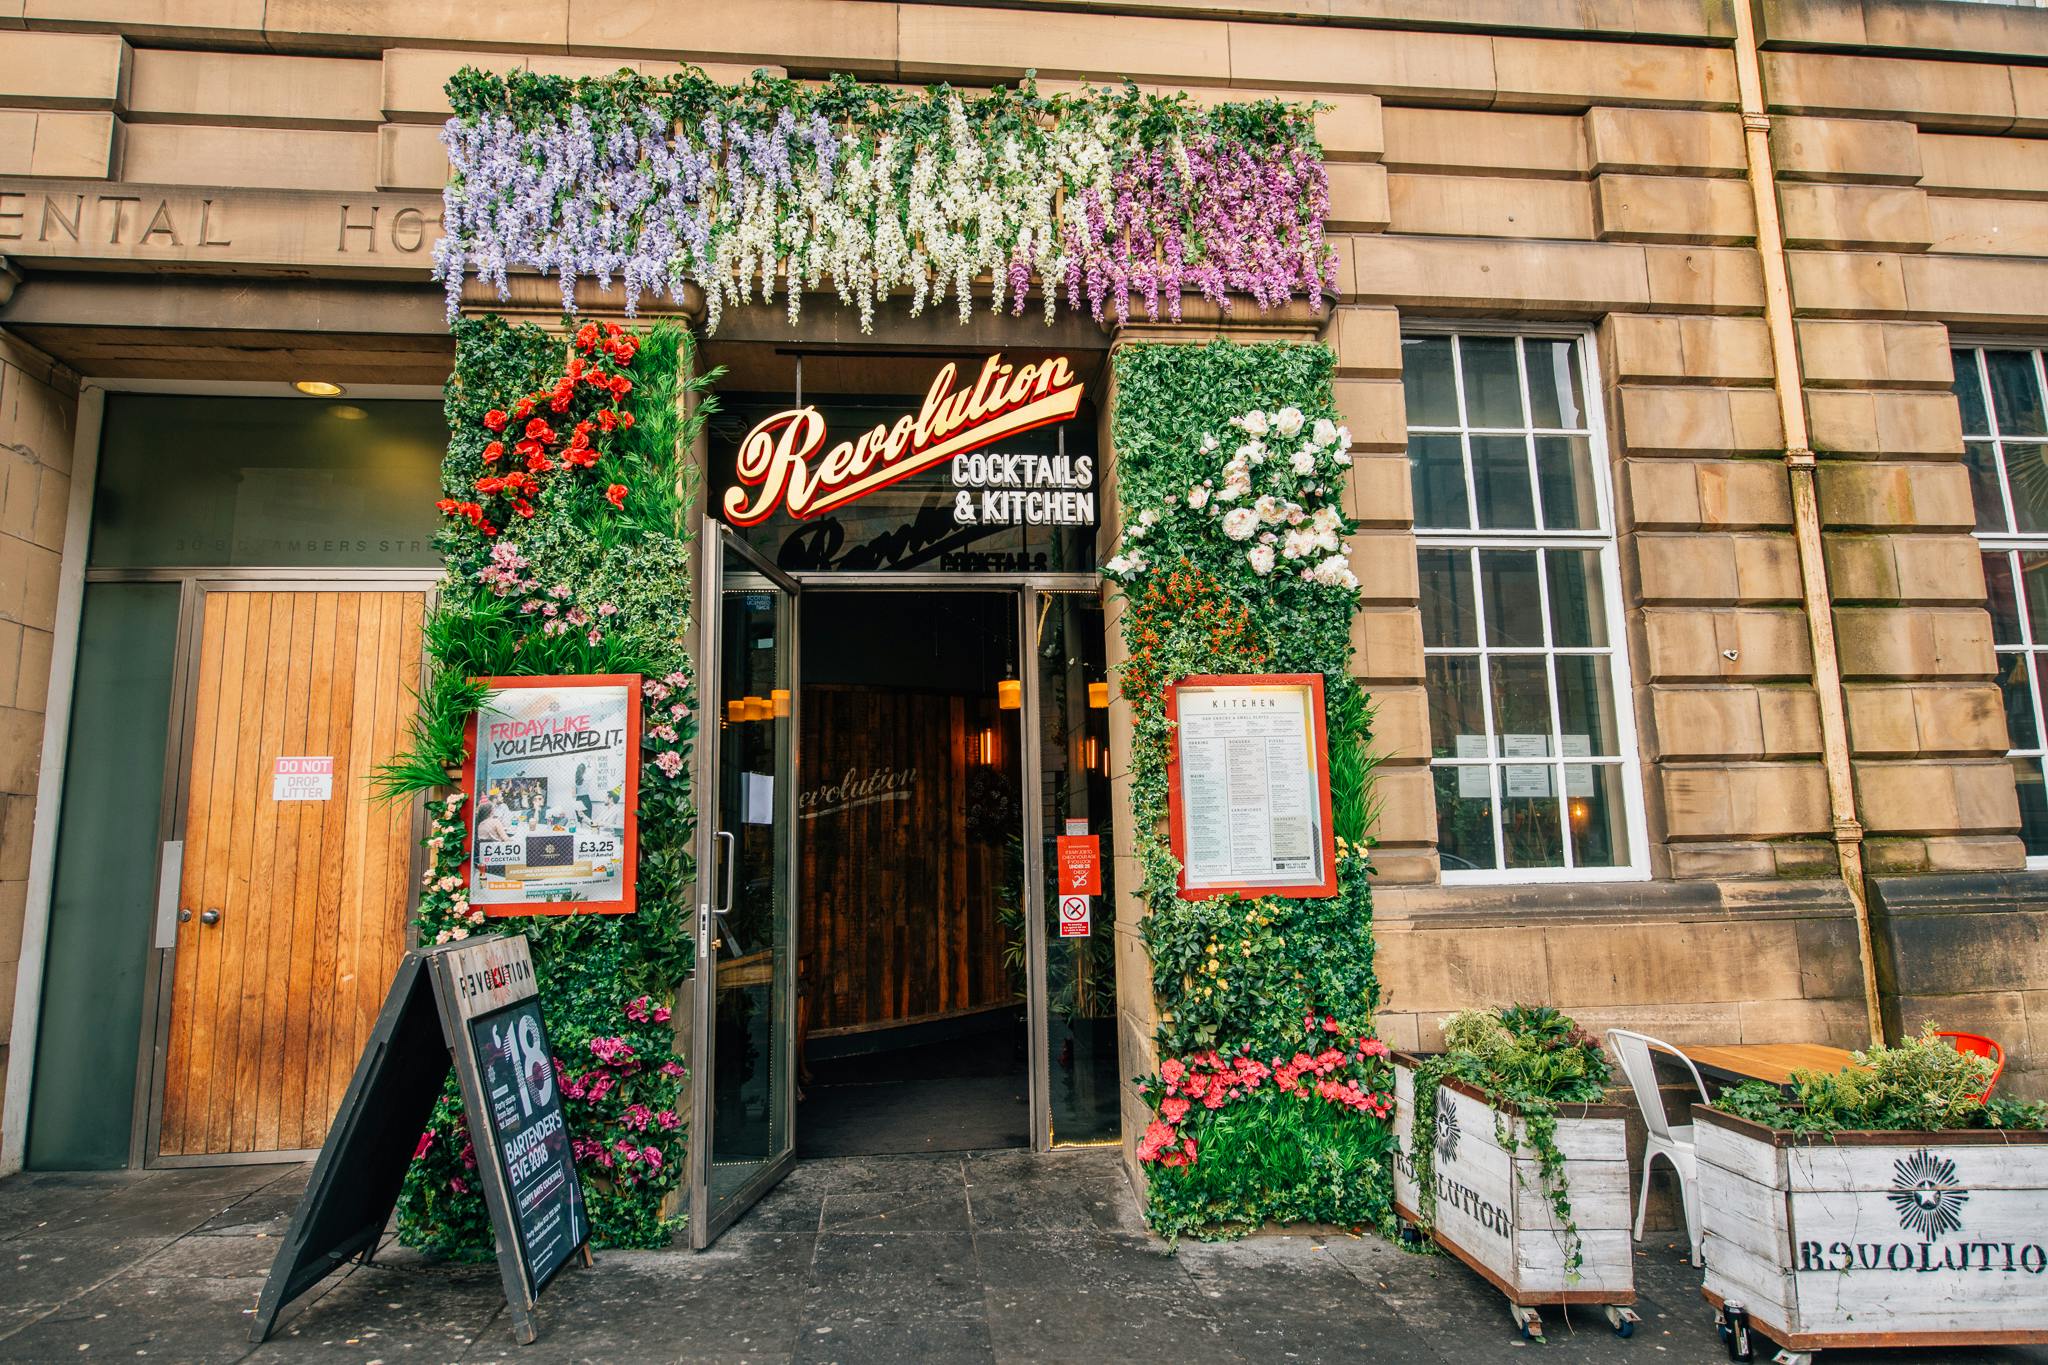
(1773, 1062)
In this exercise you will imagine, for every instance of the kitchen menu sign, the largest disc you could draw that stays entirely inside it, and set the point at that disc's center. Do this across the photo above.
(552, 777)
(1248, 786)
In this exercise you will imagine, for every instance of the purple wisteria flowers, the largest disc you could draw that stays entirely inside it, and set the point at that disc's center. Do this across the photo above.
(1115, 201)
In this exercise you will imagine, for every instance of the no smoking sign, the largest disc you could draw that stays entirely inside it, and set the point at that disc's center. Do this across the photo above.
(1074, 917)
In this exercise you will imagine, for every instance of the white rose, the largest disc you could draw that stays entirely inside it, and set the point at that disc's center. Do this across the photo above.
(1240, 522)
(1148, 517)
(1289, 420)
(1255, 423)
(1343, 438)
(1208, 444)
(1343, 458)
(1198, 496)
(1118, 565)
(1270, 509)
(1303, 460)
(1325, 431)
(1327, 518)
(1261, 557)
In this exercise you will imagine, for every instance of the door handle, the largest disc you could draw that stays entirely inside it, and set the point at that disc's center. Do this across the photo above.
(732, 857)
(209, 917)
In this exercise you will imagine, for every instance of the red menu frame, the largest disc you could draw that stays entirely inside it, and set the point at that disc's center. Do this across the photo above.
(628, 900)
(1319, 757)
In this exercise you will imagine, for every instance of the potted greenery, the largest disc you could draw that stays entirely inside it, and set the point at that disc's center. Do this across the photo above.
(1525, 1178)
(1884, 1205)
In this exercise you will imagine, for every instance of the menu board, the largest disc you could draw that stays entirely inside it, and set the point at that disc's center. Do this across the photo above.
(530, 1136)
(552, 777)
(1249, 786)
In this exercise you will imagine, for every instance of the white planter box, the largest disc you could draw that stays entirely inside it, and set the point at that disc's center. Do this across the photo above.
(1491, 1209)
(1876, 1239)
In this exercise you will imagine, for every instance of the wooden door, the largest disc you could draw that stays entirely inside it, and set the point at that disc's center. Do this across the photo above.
(273, 997)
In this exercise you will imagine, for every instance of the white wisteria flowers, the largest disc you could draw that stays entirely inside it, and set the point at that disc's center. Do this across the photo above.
(1280, 514)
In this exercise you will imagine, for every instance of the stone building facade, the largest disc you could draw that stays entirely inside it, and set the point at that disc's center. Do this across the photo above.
(224, 189)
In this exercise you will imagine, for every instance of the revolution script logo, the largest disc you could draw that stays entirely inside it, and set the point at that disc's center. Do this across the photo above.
(778, 463)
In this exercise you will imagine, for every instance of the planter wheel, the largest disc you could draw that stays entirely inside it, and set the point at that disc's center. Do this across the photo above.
(1622, 1320)
(1527, 1321)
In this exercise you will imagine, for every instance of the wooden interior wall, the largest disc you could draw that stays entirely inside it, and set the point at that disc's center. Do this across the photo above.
(900, 898)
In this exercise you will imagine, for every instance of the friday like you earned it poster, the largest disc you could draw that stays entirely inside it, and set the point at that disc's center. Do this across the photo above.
(553, 781)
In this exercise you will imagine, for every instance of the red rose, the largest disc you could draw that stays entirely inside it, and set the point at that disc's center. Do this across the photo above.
(539, 463)
(621, 386)
(612, 329)
(583, 457)
(494, 451)
(526, 450)
(538, 429)
(607, 419)
(586, 336)
(448, 507)
(560, 402)
(576, 363)
(489, 486)
(522, 409)
(597, 379)
(616, 495)
(495, 419)
(626, 420)
(522, 507)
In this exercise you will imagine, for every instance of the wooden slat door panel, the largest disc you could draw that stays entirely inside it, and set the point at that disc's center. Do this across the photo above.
(270, 1006)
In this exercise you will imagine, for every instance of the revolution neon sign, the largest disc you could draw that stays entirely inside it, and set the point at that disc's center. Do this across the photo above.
(779, 463)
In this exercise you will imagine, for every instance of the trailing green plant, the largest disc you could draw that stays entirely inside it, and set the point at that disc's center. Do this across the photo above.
(1920, 1084)
(1533, 1057)
(1272, 1098)
(565, 552)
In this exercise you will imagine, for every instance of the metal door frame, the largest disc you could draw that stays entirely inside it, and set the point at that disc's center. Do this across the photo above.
(194, 586)
(714, 539)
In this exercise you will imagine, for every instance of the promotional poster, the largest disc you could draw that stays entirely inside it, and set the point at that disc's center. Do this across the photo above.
(552, 781)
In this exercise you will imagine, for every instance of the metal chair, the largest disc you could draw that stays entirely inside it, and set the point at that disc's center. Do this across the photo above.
(1981, 1046)
(1672, 1141)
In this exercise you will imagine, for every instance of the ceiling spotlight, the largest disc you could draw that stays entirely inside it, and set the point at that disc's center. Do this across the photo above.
(318, 388)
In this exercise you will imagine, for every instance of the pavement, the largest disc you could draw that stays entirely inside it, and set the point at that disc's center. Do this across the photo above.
(997, 1256)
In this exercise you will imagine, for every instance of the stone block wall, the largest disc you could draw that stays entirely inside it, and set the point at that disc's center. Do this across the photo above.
(38, 402)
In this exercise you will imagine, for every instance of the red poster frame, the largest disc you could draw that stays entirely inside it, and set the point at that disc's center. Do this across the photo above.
(629, 872)
(1319, 755)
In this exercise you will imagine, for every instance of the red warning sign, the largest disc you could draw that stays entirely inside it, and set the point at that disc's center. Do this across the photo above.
(1080, 859)
(1075, 919)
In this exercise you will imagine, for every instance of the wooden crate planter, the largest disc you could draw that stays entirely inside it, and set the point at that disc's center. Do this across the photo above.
(1491, 1209)
(1874, 1238)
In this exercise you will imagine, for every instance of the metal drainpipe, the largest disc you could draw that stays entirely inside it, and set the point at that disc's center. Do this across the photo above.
(1800, 471)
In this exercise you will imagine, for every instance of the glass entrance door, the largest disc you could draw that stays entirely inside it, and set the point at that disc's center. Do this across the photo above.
(744, 1020)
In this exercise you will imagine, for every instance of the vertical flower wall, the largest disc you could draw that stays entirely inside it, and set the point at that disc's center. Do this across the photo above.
(565, 553)
(1273, 1095)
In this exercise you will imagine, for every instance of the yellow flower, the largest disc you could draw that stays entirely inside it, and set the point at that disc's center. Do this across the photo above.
(1210, 967)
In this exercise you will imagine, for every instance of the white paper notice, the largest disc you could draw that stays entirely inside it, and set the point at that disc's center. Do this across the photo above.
(1578, 777)
(1473, 782)
(1250, 808)
(759, 789)
(303, 778)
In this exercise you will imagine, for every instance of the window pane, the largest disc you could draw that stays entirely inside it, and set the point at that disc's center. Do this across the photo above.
(2026, 470)
(2034, 592)
(1521, 707)
(1578, 599)
(1983, 467)
(1436, 467)
(2019, 700)
(1500, 480)
(1493, 383)
(1597, 814)
(1457, 711)
(1464, 818)
(1514, 608)
(2033, 805)
(1426, 380)
(1564, 472)
(2005, 611)
(1447, 609)
(1529, 822)
(2016, 393)
(1585, 705)
(1970, 394)
(1554, 396)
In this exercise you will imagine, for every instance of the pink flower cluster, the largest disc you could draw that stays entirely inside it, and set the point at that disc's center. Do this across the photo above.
(637, 1009)
(659, 691)
(1213, 1081)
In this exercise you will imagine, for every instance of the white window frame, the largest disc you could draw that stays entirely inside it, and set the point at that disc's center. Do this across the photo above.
(1602, 540)
(2010, 542)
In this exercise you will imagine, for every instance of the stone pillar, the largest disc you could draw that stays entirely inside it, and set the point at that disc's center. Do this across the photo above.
(38, 405)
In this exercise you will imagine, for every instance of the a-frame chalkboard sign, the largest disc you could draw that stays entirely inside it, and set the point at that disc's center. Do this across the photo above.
(472, 1005)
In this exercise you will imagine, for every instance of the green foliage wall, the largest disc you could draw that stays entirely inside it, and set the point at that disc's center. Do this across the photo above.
(1273, 1092)
(591, 578)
